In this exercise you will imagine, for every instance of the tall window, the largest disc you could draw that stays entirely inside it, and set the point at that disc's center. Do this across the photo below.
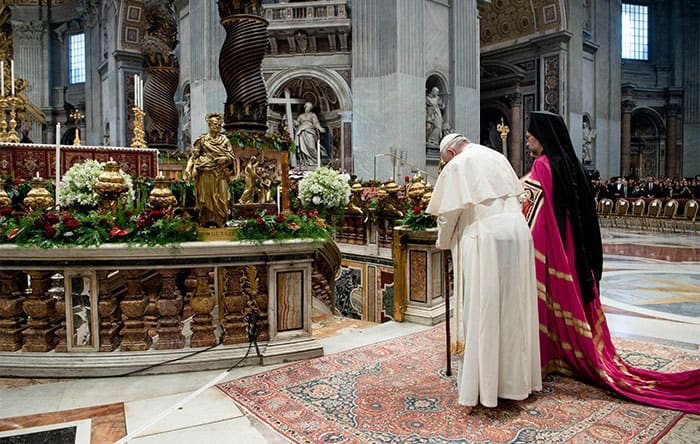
(635, 31)
(76, 58)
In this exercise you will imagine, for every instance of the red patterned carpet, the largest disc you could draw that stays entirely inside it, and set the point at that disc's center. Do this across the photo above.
(396, 392)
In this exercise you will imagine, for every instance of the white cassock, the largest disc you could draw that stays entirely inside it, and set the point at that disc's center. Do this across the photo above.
(476, 199)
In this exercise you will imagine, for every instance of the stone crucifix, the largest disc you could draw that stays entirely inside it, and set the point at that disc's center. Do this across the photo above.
(287, 101)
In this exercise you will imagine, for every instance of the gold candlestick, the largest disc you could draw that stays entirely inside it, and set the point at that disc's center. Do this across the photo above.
(12, 135)
(77, 117)
(139, 133)
(3, 123)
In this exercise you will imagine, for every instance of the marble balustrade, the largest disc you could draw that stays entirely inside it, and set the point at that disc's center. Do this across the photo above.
(120, 308)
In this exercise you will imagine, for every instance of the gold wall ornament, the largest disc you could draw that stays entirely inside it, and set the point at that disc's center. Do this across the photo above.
(138, 141)
(160, 196)
(503, 129)
(110, 185)
(38, 197)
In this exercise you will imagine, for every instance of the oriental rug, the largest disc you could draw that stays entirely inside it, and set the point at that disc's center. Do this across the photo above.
(396, 391)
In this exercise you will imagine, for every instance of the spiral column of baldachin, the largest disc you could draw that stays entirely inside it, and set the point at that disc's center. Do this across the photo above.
(240, 62)
(160, 85)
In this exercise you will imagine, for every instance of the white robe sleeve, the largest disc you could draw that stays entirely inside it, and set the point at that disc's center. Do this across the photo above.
(446, 225)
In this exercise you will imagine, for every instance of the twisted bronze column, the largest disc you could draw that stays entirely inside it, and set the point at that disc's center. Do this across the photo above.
(240, 63)
(162, 75)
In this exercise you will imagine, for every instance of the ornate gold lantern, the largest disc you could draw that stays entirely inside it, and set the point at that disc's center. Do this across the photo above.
(110, 186)
(38, 197)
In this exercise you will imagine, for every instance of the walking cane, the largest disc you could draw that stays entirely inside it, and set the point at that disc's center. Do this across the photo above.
(448, 348)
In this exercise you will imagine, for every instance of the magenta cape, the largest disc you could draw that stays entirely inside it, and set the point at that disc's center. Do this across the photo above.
(574, 339)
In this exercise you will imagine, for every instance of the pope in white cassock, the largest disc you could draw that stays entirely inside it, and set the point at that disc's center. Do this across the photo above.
(476, 201)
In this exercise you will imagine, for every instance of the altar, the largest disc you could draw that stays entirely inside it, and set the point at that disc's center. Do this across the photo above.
(68, 312)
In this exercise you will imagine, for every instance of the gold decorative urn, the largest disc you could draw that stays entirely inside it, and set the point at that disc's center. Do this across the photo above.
(160, 196)
(5, 200)
(110, 186)
(38, 197)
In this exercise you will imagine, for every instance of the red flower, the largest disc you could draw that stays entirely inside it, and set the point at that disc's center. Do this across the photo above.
(259, 220)
(311, 214)
(52, 218)
(417, 210)
(269, 212)
(49, 231)
(406, 178)
(280, 218)
(72, 223)
(320, 222)
(156, 213)
(5, 211)
(293, 226)
(13, 234)
(66, 216)
(118, 232)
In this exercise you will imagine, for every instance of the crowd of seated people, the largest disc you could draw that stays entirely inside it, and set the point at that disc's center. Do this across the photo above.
(651, 187)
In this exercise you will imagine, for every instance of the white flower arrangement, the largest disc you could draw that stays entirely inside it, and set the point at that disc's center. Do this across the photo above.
(324, 188)
(76, 187)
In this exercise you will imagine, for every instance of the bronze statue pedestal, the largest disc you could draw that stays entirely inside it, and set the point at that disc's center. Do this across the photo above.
(217, 234)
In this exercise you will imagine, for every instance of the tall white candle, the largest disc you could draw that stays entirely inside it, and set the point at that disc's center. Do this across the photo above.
(2, 78)
(278, 198)
(318, 153)
(136, 90)
(140, 93)
(12, 76)
(58, 159)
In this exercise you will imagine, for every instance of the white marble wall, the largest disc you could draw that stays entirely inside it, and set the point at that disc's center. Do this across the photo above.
(205, 38)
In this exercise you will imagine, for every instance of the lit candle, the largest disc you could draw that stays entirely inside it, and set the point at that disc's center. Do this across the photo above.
(158, 174)
(12, 76)
(2, 78)
(37, 175)
(58, 159)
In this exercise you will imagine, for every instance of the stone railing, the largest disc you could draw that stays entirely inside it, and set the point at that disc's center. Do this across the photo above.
(284, 13)
(118, 308)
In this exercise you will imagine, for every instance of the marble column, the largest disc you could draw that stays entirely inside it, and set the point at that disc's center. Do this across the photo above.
(133, 307)
(12, 318)
(40, 308)
(672, 154)
(169, 306)
(516, 132)
(202, 304)
(626, 148)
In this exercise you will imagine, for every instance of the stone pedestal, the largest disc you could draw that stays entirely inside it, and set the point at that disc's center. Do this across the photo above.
(420, 281)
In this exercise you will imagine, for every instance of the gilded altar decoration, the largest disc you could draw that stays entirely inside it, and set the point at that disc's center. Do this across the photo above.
(5, 200)
(388, 200)
(110, 186)
(160, 196)
(38, 198)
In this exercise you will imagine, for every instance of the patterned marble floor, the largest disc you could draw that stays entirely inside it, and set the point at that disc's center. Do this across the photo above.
(650, 291)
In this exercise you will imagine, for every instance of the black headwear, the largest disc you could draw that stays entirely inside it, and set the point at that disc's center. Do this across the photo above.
(572, 195)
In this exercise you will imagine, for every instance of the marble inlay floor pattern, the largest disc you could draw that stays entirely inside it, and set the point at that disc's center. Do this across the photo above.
(650, 292)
